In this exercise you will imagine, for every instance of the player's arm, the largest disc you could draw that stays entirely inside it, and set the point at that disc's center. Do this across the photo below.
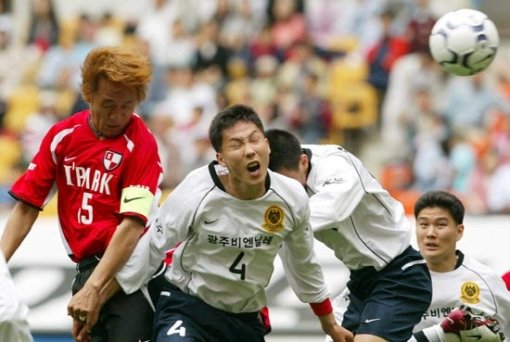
(19, 224)
(86, 301)
(305, 276)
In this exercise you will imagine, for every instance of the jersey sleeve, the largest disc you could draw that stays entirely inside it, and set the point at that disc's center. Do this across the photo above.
(338, 192)
(142, 178)
(302, 268)
(169, 228)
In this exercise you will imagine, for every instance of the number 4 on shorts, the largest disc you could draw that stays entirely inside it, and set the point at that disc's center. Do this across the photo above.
(177, 328)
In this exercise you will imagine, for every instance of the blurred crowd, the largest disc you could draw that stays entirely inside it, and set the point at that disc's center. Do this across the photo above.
(331, 71)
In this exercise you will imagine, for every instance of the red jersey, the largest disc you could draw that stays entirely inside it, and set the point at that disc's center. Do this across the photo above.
(98, 181)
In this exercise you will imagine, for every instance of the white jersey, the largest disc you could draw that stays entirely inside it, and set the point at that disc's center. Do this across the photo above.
(228, 246)
(13, 313)
(351, 212)
(471, 283)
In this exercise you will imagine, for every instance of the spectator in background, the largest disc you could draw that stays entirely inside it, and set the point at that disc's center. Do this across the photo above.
(44, 29)
(411, 72)
(262, 45)
(240, 27)
(498, 189)
(339, 27)
(315, 112)
(462, 159)
(288, 26)
(13, 61)
(210, 52)
(154, 27)
(180, 47)
(37, 125)
(421, 120)
(383, 54)
(469, 100)
(420, 25)
(68, 55)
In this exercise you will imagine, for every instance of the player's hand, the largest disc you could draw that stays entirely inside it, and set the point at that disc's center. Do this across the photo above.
(336, 333)
(79, 331)
(339, 334)
(465, 323)
(84, 306)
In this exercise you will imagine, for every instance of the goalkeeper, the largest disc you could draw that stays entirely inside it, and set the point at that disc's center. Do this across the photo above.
(470, 301)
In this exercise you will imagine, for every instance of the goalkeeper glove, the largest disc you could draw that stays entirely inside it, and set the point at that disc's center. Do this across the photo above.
(461, 325)
(472, 325)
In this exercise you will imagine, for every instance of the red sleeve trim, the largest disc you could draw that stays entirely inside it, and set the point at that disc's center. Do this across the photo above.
(323, 308)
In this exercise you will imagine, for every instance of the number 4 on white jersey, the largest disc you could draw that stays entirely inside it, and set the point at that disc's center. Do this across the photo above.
(177, 328)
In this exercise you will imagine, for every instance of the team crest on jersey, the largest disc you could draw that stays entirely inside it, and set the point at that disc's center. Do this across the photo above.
(470, 292)
(111, 160)
(273, 218)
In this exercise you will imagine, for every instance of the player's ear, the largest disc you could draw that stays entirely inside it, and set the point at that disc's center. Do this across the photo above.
(460, 231)
(303, 162)
(220, 159)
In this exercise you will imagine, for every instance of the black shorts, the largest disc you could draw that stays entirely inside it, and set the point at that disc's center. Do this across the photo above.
(390, 302)
(182, 317)
(124, 318)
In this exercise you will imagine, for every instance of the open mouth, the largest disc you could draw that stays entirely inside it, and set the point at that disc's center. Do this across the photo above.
(253, 167)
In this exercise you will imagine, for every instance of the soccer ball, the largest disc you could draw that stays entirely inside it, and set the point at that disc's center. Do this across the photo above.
(464, 42)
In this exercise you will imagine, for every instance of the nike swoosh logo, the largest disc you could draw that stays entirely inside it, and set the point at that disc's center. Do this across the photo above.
(127, 200)
(66, 159)
(372, 320)
(210, 221)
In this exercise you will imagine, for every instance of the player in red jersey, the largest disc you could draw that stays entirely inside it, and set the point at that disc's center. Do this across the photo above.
(105, 167)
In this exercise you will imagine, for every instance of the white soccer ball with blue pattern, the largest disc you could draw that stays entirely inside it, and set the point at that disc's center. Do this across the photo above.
(464, 42)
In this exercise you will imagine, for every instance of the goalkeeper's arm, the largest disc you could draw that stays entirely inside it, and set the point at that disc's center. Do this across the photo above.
(431, 334)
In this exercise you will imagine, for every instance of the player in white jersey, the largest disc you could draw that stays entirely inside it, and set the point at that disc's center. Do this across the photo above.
(230, 219)
(389, 286)
(457, 279)
(13, 312)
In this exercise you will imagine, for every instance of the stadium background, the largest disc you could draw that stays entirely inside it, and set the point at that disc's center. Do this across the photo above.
(308, 71)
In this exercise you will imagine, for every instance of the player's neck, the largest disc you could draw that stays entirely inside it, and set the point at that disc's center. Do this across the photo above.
(446, 265)
(96, 132)
(242, 191)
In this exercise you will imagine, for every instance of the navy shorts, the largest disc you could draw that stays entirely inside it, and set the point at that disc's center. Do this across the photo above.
(182, 317)
(390, 302)
(123, 318)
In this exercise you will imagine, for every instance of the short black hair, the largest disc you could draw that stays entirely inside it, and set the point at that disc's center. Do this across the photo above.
(441, 199)
(285, 150)
(227, 118)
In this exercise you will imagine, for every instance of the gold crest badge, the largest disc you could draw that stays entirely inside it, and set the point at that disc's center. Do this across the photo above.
(273, 218)
(470, 293)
